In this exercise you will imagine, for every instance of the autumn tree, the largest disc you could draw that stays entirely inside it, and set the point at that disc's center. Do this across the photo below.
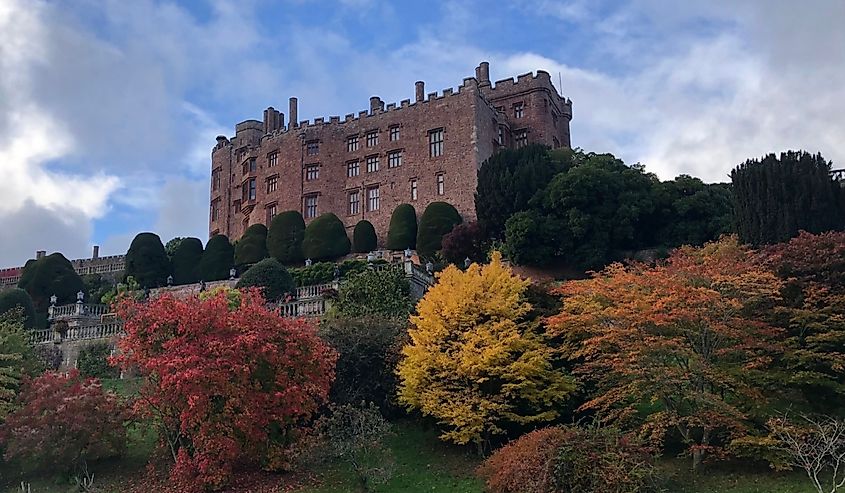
(674, 342)
(17, 359)
(475, 362)
(227, 379)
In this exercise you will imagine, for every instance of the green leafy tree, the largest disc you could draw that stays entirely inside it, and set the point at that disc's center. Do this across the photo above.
(93, 361)
(96, 286)
(374, 292)
(186, 261)
(252, 247)
(325, 238)
(18, 299)
(147, 261)
(530, 238)
(285, 236)
(172, 245)
(270, 275)
(364, 237)
(775, 197)
(438, 219)
(217, 259)
(50, 275)
(17, 359)
(402, 232)
(691, 212)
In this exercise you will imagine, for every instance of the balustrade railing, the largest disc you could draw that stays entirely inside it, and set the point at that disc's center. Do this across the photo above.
(78, 309)
(100, 331)
(314, 291)
(41, 336)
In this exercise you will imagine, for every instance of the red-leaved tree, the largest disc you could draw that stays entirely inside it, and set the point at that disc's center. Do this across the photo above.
(226, 382)
(64, 420)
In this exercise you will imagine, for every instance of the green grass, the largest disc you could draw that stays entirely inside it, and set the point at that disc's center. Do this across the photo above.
(732, 479)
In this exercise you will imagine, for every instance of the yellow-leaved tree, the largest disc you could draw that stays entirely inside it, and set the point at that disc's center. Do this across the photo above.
(475, 362)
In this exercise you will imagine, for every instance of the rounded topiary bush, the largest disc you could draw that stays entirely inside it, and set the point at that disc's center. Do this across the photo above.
(217, 259)
(252, 247)
(186, 261)
(364, 237)
(438, 219)
(325, 238)
(17, 298)
(50, 275)
(270, 275)
(146, 260)
(402, 232)
(284, 238)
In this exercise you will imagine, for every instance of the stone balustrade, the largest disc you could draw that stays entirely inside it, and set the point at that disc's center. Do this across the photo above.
(315, 291)
(77, 310)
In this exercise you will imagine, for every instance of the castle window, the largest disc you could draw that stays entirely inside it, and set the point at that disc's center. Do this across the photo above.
(441, 184)
(249, 190)
(394, 133)
(215, 179)
(271, 212)
(310, 206)
(272, 159)
(413, 189)
(215, 210)
(272, 183)
(394, 159)
(372, 198)
(312, 148)
(352, 143)
(372, 138)
(500, 139)
(312, 172)
(518, 110)
(520, 138)
(354, 202)
(435, 142)
(372, 164)
(352, 169)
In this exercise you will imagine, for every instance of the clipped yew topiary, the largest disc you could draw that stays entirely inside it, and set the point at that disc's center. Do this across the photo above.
(17, 298)
(147, 261)
(402, 232)
(50, 275)
(252, 247)
(438, 219)
(270, 275)
(364, 237)
(284, 238)
(325, 238)
(217, 259)
(186, 261)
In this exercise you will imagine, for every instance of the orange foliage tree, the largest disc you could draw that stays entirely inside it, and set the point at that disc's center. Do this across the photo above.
(674, 346)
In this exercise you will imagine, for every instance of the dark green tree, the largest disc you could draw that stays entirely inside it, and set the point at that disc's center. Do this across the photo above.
(325, 238)
(270, 275)
(284, 238)
(93, 361)
(96, 286)
(438, 219)
(18, 299)
(50, 275)
(691, 212)
(530, 238)
(402, 232)
(364, 237)
(186, 261)
(252, 247)
(776, 197)
(217, 259)
(510, 178)
(147, 261)
(374, 292)
(171, 246)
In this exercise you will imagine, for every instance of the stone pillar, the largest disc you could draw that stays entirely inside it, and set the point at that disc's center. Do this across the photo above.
(292, 112)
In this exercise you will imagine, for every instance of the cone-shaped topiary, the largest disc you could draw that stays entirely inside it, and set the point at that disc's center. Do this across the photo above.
(325, 238)
(438, 219)
(18, 299)
(147, 261)
(364, 237)
(217, 259)
(402, 232)
(186, 261)
(284, 239)
(252, 247)
(270, 275)
(50, 275)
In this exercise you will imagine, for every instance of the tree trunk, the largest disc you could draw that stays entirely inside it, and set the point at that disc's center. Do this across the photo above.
(697, 460)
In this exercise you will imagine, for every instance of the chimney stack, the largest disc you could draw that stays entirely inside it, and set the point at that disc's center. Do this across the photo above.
(482, 74)
(376, 104)
(281, 121)
(96, 253)
(292, 112)
(420, 87)
(39, 254)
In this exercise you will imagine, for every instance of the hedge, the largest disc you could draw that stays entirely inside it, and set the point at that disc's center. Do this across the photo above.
(50, 275)
(402, 232)
(186, 261)
(147, 261)
(364, 237)
(438, 219)
(217, 259)
(252, 247)
(284, 238)
(325, 238)
(270, 275)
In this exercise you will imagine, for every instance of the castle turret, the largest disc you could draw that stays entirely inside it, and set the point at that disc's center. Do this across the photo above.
(420, 90)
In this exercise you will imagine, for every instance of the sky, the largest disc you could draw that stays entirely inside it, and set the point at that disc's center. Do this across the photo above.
(109, 108)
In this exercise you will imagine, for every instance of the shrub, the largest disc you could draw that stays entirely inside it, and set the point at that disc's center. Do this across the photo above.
(464, 241)
(147, 261)
(171, 246)
(217, 259)
(252, 247)
(270, 275)
(18, 299)
(375, 292)
(93, 361)
(325, 238)
(438, 219)
(63, 420)
(324, 272)
(47, 276)
(187, 256)
(50, 356)
(525, 465)
(402, 232)
(364, 237)
(284, 239)
(17, 359)
(368, 350)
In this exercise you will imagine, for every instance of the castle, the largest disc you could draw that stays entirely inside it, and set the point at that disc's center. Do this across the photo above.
(362, 167)
(109, 267)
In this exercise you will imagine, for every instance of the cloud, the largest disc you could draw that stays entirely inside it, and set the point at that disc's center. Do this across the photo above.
(32, 227)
